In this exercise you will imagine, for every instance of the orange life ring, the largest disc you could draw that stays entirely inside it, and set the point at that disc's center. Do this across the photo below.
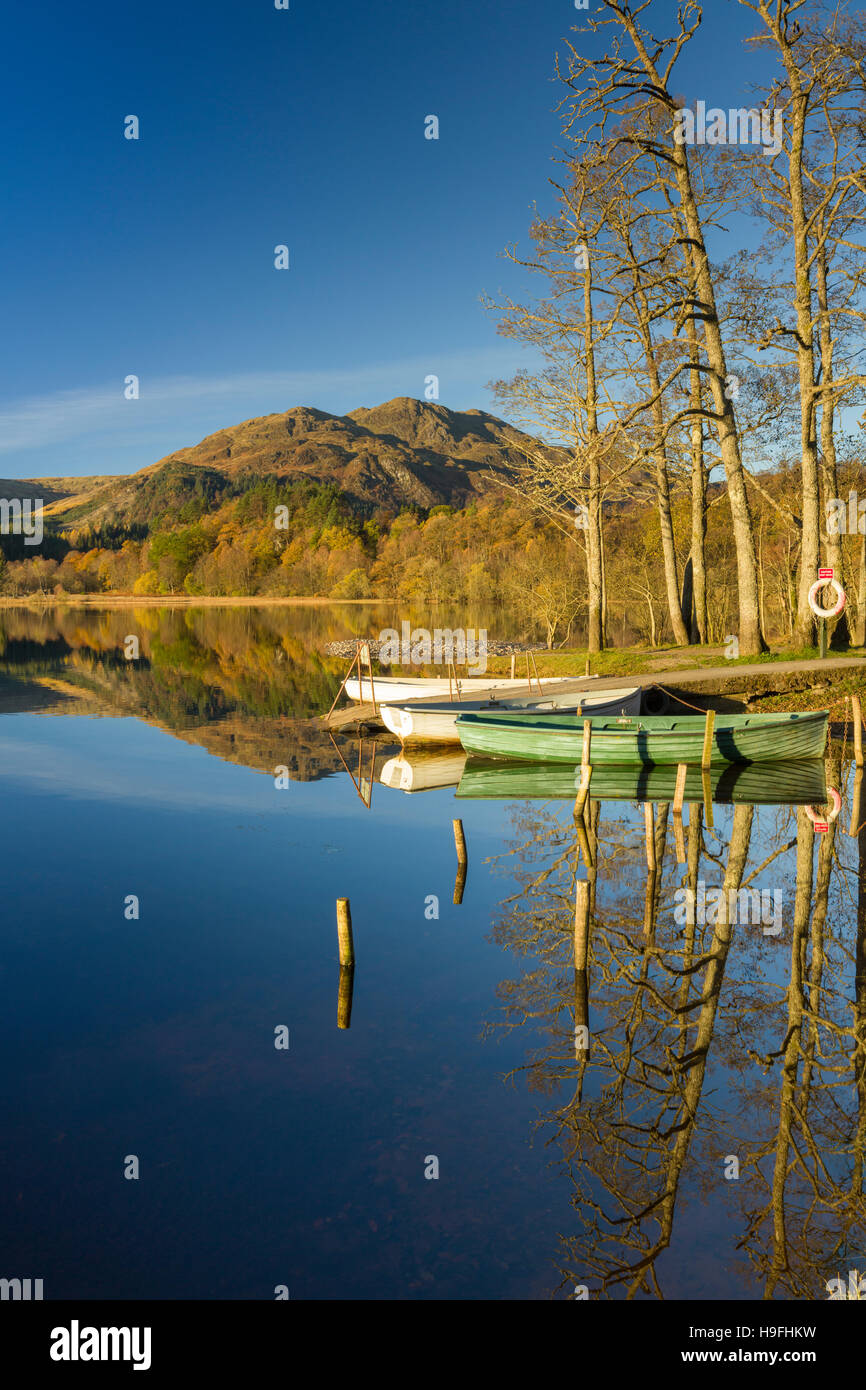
(820, 815)
(826, 612)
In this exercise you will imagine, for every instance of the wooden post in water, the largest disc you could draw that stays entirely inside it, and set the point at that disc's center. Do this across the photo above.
(581, 1016)
(707, 754)
(583, 790)
(679, 793)
(581, 923)
(587, 743)
(344, 932)
(460, 842)
(856, 803)
(652, 868)
(649, 824)
(857, 716)
(462, 861)
(708, 799)
(583, 840)
(344, 996)
(585, 768)
(581, 952)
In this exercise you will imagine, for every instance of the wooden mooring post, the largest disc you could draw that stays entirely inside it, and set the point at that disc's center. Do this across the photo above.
(649, 826)
(707, 754)
(344, 932)
(584, 846)
(708, 799)
(857, 716)
(581, 923)
(344, 996)
(679, 794)
(651, 866)
(585, 769)
(856, 803)
(462, 861)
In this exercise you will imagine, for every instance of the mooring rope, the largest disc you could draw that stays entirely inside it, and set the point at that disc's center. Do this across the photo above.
(678, 698)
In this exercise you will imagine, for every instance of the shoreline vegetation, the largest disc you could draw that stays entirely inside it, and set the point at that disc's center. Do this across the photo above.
(249, 681)
(796, 689)
(37, 601)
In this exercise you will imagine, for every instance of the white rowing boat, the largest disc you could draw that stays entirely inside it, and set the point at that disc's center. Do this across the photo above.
(400, 688)
(416, 721)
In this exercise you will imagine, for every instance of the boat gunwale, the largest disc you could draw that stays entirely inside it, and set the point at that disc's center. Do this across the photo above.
(606, 724)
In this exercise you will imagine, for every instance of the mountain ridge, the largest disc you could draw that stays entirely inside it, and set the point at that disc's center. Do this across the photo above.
(403, 452)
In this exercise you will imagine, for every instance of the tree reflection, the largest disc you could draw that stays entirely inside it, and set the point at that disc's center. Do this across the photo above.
(724, 1063)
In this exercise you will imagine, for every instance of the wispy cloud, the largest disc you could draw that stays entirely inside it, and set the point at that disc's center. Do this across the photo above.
(66, 416)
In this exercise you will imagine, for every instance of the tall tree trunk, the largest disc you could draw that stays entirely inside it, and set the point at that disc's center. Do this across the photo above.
(829, 476)
(594, 549)
(663, 491)
(669, 554)
(751, 637)
(687, 598)
(860, 626)
(698, 611)
(777, 25)
(594, 562)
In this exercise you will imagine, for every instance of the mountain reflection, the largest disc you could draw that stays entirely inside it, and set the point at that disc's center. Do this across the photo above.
(247, 684)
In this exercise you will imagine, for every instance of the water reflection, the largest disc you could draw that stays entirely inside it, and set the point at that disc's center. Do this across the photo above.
(699, 1055)
(700, 1075)
(247, 684)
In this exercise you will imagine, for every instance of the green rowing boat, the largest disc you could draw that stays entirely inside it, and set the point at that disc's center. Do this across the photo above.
(751, 784)
(656, 740)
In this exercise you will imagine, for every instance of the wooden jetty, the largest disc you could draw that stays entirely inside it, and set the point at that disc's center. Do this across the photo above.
(670, 679)
(354, 716)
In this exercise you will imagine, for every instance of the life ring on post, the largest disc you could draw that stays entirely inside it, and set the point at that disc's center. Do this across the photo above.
(818, 816)
(826, 612)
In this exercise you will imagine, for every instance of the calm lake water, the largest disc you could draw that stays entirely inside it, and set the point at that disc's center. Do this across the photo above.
(702, 1139)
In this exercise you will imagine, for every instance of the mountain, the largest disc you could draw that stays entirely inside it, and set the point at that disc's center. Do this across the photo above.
(404, 452)
(50, 490)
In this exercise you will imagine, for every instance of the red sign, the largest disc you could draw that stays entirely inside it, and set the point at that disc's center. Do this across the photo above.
(821, 827)
(825, 574)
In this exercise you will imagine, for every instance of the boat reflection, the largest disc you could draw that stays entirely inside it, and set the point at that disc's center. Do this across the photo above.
(800, 783)
(423, 772)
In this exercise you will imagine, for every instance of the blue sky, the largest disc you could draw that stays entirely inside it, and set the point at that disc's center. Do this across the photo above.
(259, 127)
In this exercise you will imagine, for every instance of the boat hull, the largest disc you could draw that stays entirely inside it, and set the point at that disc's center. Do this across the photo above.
(416, 722)
(398, 688)
(658, 741)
